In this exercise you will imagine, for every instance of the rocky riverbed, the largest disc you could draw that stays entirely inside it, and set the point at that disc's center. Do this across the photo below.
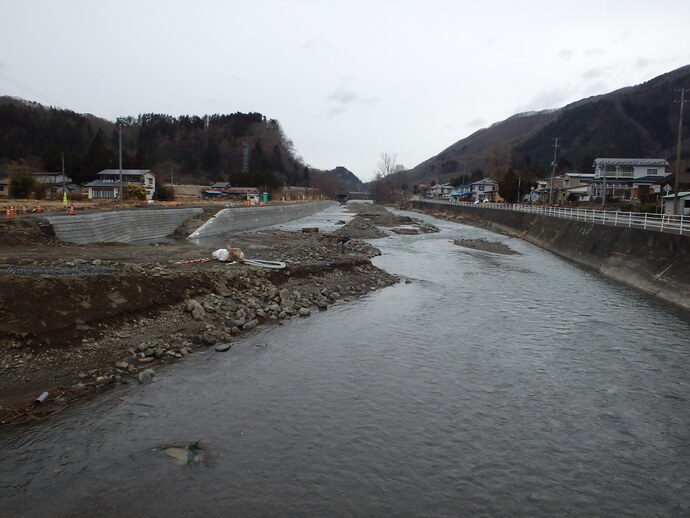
(78, 319)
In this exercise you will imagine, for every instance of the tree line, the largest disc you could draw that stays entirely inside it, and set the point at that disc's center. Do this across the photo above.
(244, 149)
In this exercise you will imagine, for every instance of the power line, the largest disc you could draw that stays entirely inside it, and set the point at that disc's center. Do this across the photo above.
(33, 92)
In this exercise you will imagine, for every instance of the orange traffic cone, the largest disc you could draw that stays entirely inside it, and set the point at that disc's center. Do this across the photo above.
(23, 209)
(71, 210)
(38, 207)
(8, 214)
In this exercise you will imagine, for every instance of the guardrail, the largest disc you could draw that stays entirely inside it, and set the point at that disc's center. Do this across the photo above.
(660, 222)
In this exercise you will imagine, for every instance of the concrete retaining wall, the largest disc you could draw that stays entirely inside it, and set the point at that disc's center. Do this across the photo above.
(123, 226)
(244, 218)
(654, 262)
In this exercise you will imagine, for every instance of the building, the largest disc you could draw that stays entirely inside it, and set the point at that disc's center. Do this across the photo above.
(571, 185)
(54, 184)
(462, 193)
(107, 187)
(484, 189)
(628, 178)
(4, 187)
(669, 201)
(440, 190)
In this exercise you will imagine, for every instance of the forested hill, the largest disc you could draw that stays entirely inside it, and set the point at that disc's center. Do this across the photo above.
(637, 121)
(195, 149)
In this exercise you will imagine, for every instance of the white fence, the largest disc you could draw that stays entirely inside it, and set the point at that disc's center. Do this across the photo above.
(659, 222)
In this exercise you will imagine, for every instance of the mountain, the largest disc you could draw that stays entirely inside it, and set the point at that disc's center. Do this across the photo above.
(347, 180)
(637, 121)
(242, 148)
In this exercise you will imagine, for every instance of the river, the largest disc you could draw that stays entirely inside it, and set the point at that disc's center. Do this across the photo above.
(484, 385)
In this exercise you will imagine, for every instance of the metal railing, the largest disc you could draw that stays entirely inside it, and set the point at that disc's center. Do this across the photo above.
(660, 222)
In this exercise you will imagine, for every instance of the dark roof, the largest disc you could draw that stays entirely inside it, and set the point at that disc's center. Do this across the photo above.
(101, 183)
(241, 190)
(126, 172)
(649, 179)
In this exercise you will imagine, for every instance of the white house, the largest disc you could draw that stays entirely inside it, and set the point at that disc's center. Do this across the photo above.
(628, 178)
(484, 189)
(108, 184)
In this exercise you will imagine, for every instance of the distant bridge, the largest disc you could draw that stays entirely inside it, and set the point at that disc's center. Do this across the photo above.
(344, 197)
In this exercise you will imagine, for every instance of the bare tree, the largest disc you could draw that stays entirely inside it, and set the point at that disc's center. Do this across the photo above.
(385, 188)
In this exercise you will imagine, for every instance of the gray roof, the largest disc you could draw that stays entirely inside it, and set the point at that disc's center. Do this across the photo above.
(125, 172)
(630, 161)
(101, 183)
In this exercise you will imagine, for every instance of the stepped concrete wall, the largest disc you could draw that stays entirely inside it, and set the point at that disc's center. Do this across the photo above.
(245, 218)
(654, 262)
(122, 226)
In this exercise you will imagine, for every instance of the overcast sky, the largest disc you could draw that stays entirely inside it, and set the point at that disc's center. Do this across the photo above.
(348, 80)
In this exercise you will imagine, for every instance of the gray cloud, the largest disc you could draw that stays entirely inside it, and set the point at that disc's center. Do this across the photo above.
(592, 73)
(594, 52)
(644, 63)
(566, 54)
(345, 96)
(546, 99)
(312, 44)
(476, 123)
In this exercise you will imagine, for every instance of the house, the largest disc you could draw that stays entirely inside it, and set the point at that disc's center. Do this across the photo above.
(108, 184)
(241, 192)
(628, 178)
(485, 189)
(569, 185)
(55, 183)
(441, 190)
(461, 193)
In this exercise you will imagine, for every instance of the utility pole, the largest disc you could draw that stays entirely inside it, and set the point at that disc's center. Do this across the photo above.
(680, 131)
(245, 157)
(119, 129)
(172, 183)
(553, 168)
(64, 187)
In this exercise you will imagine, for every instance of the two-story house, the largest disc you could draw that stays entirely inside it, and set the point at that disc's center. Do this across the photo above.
(440, 190)
(108, 184)
(484, 189)
(628, 178)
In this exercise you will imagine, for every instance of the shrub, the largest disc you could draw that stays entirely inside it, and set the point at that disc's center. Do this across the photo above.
(165, 193)
(135, 192)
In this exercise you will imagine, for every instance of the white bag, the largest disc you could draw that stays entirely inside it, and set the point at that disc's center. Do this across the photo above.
(221, 254)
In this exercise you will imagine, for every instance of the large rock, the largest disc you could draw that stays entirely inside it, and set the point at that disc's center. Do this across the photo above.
(197, 310)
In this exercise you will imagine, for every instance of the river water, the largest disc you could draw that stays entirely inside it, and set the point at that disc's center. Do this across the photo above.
(487, 385)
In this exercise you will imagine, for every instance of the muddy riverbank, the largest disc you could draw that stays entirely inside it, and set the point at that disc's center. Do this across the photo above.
(78, 319)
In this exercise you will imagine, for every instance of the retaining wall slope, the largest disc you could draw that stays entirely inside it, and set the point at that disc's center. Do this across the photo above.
(245, 218)
(122, 226)
(654, 262)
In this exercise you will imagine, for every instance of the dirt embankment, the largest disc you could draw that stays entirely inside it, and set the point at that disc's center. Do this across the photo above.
(77, 319)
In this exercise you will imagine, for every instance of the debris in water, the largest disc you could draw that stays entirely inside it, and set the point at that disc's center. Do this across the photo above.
(191, 453)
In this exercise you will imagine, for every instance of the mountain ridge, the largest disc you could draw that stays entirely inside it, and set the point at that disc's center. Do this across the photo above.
(632, 121)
